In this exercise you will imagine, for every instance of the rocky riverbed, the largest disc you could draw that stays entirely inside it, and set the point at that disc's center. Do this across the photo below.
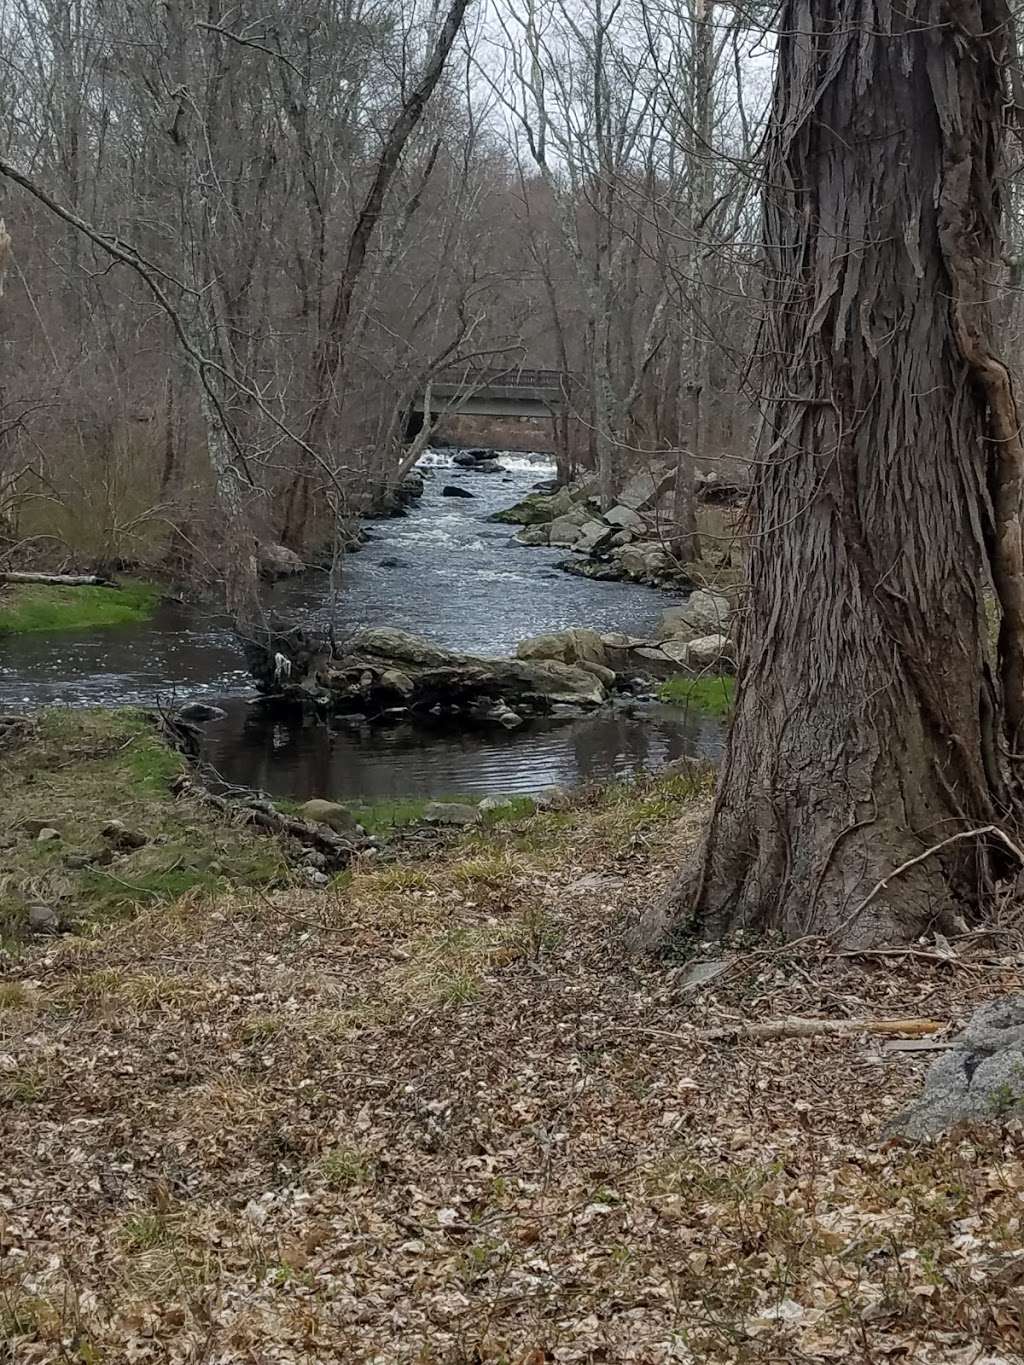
(380, 673)
(632, 541)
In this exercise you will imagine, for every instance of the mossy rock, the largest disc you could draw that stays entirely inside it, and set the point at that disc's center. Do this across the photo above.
(536, 509)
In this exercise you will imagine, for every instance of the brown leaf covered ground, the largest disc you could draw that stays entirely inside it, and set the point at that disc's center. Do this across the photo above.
(440, 1114)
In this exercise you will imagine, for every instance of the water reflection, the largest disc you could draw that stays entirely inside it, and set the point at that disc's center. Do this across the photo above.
(300, 757)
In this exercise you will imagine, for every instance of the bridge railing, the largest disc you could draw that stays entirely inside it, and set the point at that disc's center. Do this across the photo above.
(511, 376)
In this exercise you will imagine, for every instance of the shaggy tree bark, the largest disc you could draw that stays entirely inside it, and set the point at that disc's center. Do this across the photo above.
(874, 722)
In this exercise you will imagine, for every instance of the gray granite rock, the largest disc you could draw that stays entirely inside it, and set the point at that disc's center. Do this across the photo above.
(980, 1078)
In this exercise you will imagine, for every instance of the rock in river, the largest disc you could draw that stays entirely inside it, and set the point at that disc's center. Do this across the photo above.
(579, 646)
(277, 561)
(452, 490)
(380, 667)
(200, 712)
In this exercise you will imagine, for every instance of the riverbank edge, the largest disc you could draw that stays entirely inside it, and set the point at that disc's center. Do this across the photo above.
(103, 818)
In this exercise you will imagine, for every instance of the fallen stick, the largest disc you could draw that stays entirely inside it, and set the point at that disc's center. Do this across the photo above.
(253, 810)
(60, 580)
(813, 1028)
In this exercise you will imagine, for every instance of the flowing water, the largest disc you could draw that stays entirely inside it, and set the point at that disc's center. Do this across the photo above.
(444, 571)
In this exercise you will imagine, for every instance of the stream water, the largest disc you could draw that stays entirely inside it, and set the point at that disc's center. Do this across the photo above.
(444, 571)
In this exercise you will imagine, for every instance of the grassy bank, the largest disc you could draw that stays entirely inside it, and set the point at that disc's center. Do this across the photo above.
(73, 772)
(442, 1113)
(28, 607)
(713, 695)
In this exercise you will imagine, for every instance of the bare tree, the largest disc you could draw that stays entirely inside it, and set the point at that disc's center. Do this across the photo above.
(871, 767)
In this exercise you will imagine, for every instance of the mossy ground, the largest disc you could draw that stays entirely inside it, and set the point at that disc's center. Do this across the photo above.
(440, 1113)
(713, 695)
(26, 607)
(387, 814)
(76, 770)
(381, 817)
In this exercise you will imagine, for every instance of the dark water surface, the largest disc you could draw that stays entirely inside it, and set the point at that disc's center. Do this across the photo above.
(445, 572)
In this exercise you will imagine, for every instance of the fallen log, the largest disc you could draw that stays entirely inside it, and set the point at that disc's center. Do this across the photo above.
(59, 580)
(813, 1028)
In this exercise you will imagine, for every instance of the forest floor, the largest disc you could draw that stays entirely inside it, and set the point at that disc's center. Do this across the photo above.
(437, 1112)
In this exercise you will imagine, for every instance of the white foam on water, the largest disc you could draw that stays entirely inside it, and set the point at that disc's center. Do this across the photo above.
(515, 461)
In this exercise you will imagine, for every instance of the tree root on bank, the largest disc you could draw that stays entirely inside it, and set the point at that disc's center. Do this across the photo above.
(257, 810)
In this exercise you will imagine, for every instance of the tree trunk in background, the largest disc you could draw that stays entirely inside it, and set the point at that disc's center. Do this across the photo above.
(330, 356)
(699, 193)
(685, 537)
(872, 723)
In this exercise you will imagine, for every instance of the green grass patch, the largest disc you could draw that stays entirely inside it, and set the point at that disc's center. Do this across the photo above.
(77, 770)
(713, 695)
(511, 808)
(345, 1167)
(377, 817)
(27, 607)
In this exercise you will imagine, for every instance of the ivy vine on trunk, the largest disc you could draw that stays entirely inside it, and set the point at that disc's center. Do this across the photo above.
(877, 724)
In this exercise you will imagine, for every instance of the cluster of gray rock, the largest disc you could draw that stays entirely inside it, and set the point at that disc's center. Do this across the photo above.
(479, 461)
(383, 674)
(695, 637)
(626, 542)
(981, 1077)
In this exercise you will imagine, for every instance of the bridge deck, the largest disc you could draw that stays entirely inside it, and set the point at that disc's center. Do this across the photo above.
(509, 392)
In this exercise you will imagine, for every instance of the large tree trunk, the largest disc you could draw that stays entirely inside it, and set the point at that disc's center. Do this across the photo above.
(873, 722)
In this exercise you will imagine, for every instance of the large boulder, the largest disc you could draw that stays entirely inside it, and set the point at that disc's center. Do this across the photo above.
(533, 536)
(981, 1079)
(645, 489)
(703, 613)
(567, 646)
(594, 538)
(564, 531)
(646, 562)
(382, 671)
(536, 508)
(707, 651)
(624, 518)
(549, 681)
(385, 642)
(277, 561)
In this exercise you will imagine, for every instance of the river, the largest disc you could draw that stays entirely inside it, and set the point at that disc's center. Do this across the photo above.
(444, 571)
